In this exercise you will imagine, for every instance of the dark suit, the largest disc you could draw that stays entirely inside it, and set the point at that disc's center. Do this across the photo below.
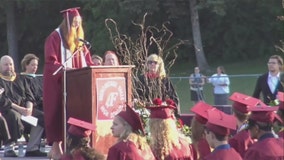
(263, 87)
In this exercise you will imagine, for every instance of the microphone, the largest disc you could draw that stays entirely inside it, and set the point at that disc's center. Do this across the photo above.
(84, 41)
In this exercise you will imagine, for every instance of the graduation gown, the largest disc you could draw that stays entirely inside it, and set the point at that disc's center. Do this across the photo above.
(53, 88)
(36, 84)
(241, 142)
(83, 154)
(127, 150)
(4, 130)
(183, 153)
(266, 148)
(223, 152)
(203, 149)
(281, 133)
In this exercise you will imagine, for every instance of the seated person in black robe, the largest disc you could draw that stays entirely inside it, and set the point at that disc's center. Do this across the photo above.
(4, 131)
(17, 100)
(29, 66)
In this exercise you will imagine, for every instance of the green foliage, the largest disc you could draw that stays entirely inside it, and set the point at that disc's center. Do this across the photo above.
(249, 29)
(216, 6)
(231, 30)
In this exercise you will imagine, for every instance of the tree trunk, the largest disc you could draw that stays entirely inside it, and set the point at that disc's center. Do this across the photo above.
(12, 32)
(199, 53)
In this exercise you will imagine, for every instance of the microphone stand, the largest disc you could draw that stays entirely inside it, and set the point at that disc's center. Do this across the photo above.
(65, 94)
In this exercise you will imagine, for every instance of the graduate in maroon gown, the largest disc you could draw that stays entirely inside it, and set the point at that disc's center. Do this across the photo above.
(217, 133)
(242, 140)
(280, 112)
(78, 141)
(166, 142)
(199, 143)
(59, 46)
(260, 127)
(131, 144)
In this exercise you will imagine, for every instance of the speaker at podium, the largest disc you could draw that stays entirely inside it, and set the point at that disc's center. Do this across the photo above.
(96, 94)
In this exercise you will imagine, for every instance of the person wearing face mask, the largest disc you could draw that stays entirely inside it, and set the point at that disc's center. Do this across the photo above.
(63, 43)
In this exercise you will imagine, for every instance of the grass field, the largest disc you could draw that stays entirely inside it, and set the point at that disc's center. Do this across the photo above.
(243, 76)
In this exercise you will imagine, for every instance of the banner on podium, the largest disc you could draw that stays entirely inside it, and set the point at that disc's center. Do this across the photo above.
(111, 97)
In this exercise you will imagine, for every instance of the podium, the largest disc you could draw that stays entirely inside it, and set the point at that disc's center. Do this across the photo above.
(96, 94)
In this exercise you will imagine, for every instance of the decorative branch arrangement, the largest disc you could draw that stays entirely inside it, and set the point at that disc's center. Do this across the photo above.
(135, 51)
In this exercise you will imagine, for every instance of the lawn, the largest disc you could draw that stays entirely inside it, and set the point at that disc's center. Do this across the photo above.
(243, 76)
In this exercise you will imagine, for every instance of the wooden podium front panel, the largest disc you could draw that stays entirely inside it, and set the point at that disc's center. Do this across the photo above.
(79, 95)
(90, 94)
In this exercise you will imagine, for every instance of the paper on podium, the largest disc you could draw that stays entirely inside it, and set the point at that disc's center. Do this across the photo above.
(30, 119)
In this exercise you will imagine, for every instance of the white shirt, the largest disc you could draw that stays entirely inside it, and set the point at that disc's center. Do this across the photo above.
(218, 81)
(273, 81)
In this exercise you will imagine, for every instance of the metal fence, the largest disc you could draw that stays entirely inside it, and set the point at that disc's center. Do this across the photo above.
(243, 83)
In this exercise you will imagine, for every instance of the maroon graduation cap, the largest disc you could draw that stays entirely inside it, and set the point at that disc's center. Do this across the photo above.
(220, 123)
(263, 114)
(201, 111)
(80, 128)
(242, 102)
(69, 14)
(133, 119)
(161, 110)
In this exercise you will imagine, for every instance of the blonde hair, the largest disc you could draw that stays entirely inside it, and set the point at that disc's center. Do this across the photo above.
(139, 140)
(71, 37)
(197, 130)
(164, 136)
(197, 133)
(94, 56)
(279, 60)
(27, 60)
(161, 70)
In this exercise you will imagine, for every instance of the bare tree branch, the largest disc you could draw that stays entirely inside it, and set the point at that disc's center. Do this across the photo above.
(135, 51)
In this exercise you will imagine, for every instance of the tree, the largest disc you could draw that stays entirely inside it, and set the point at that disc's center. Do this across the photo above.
(11, 31)
(199, 52)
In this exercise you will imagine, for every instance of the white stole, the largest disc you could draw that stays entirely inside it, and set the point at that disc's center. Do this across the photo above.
(65, 53)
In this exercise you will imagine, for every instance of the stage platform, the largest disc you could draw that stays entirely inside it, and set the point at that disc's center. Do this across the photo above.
(45, 149)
